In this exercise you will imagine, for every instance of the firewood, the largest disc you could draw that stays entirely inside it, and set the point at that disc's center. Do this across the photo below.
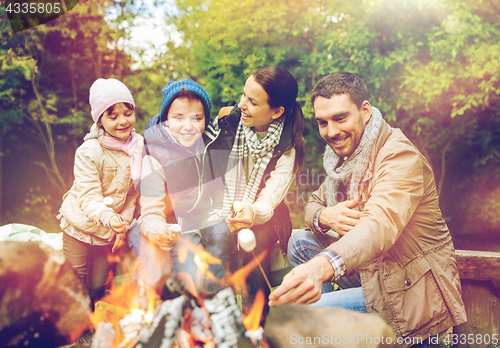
(42, 301)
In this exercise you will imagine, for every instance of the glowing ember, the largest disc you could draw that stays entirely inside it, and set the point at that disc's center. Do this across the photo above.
(238, 278)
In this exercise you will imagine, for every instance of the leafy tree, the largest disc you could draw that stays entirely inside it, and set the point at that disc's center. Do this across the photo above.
(431, 67)
(45, 77)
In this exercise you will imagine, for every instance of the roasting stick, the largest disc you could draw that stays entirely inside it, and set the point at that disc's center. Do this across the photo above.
(246, 238)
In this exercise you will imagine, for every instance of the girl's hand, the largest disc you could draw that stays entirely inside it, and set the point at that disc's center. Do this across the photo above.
(166, 239)
(119, 241)
(117, 224)
(243, 219)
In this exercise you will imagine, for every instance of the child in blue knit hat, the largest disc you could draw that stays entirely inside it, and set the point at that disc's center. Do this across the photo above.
(174, 188)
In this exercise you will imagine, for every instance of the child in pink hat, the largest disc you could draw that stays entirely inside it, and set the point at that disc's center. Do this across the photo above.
(96, 212)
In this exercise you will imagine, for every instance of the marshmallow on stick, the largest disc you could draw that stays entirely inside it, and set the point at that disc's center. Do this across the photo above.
(237, 207)
(246, 239)
(108, 201)
(175, 228)
(175, 231)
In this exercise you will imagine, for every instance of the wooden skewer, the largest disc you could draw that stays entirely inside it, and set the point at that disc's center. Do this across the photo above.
(263, 273)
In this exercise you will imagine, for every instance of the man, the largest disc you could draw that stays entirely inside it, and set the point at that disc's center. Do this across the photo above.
(380, 197)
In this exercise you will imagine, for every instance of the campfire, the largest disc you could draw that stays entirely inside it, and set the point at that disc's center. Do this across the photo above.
(136, 315)
(43, 304)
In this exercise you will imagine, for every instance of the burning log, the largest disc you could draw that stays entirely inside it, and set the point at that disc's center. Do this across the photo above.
(42, 302)
(167, 321)
(227, 324)
(302, 325)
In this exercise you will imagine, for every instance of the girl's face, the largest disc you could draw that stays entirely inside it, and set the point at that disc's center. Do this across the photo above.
(255, 111)
(120, 122)
(186, 120)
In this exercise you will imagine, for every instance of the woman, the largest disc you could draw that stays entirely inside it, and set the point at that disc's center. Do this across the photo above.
(265, 130)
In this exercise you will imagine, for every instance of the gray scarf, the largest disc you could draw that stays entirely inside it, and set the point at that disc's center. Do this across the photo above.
(354, 167)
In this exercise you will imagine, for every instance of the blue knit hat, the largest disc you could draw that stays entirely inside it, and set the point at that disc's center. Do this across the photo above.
(173, 88)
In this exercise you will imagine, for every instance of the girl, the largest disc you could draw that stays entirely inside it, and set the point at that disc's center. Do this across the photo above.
(97, 210)
(265, 128)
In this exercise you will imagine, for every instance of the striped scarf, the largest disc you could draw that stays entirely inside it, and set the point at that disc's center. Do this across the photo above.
(237, 187)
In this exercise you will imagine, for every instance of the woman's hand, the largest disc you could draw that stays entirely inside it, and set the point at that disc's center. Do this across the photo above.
(243, 219)
(167, 239)
(117, 224)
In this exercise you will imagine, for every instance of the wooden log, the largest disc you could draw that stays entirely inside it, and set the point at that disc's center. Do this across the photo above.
(478, 265)
(296, 325)
(482, 305)
(480, 277)
(42, 301)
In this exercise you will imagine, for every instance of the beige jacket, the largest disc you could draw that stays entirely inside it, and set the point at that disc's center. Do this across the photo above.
(99, 173)
(401, 246)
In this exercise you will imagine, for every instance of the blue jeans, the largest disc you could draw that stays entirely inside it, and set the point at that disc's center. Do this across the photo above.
(303, 246)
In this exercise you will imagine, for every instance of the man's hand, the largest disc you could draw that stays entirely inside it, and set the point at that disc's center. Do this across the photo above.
(341, 217)
(117, 224)
(166, 239)
(304, 283)
(243, 219)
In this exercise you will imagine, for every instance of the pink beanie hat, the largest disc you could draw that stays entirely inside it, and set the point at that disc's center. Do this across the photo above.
(107, 92)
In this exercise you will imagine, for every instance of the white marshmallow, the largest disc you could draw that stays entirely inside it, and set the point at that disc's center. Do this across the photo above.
(237, 206)
(108, 201)
(175, 228)
(246, 239)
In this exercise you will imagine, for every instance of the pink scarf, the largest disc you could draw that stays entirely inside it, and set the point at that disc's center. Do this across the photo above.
(129, 148)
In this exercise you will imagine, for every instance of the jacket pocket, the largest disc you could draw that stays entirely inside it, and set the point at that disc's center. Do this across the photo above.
(413, 296)
(403, 278)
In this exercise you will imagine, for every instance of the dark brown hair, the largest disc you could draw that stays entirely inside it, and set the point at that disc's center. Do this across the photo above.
(341, 83)
(282, 90)
(110, 111)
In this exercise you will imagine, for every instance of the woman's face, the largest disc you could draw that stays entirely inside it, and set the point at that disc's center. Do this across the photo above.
(186, 120)
(255, 111)
(120, 122)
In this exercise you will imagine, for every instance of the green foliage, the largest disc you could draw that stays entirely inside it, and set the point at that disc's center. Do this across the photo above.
(432, 68)
(45, 76)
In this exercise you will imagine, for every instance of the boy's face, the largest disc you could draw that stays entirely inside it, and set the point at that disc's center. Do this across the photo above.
(120, 122)
(186, 120)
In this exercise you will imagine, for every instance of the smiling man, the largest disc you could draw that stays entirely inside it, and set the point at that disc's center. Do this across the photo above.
(380, 197)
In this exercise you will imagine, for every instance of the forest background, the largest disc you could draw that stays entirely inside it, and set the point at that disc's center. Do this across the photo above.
(431, 66)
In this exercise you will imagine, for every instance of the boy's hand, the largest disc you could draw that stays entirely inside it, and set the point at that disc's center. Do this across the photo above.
(243, 219)
(119, 241)
(117, 224)
(167, 239)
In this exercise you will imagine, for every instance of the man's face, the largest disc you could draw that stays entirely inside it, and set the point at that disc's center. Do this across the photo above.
(340, 122)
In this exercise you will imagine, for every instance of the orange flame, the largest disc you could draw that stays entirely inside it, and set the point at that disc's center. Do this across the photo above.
(252, 320)
(238, 278)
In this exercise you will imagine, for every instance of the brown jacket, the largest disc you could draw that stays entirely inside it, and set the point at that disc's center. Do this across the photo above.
(99, 173)
(401, 246)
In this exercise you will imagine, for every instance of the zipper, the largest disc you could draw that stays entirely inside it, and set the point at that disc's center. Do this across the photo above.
(200, 177)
